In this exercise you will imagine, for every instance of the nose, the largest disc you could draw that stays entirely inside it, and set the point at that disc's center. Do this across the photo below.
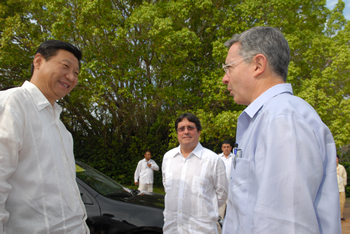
(71, 76)
(225, 79)
(186, 131)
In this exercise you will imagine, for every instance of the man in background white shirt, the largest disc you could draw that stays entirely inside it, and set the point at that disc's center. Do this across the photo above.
(194, 180)
(342, 182)
(227, 157)
(144, 173)
(38, 191)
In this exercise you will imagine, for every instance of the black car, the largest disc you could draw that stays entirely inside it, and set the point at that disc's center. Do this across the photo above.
(113, 208)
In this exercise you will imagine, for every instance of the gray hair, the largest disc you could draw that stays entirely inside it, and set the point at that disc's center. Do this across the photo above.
(267, 41)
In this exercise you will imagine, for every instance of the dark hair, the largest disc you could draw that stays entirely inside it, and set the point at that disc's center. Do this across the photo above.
(50, 48)
(226, 142)
(147, 151)
(190, 117)
(267, 41)
(337, 156)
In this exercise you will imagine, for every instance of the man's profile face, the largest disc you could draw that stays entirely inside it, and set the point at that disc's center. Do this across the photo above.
(148, 155)
(188, 138)
(57, 76)
(226, 149)
(237, 78)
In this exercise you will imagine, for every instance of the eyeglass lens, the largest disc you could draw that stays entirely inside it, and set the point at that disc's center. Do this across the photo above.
(189, 128)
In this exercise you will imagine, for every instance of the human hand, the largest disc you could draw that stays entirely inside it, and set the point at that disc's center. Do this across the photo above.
(136, 183)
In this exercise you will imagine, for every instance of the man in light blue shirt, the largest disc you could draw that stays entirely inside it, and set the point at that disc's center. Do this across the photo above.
(285, 179)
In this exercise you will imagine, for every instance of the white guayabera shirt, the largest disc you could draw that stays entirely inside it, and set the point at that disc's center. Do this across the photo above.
(38, 191)
(144, 172)
(228, 164)
(195, 187)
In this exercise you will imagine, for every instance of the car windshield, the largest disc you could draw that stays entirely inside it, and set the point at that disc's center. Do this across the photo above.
(98, 181)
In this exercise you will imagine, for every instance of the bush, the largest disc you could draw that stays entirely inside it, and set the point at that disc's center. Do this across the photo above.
(347, 168)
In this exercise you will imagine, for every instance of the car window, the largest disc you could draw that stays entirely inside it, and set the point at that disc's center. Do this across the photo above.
(97, 180)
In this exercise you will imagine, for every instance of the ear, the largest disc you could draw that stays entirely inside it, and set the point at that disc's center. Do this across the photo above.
(260, 63)
(38, 60)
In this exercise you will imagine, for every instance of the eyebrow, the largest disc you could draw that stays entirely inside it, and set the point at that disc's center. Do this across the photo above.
(70, 62)
(187, 126)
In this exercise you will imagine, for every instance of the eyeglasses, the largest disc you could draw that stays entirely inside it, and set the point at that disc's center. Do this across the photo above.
(189, 128)
(227, 66)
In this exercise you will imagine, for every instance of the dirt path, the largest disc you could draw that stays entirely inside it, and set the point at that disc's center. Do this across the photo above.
(345, 225)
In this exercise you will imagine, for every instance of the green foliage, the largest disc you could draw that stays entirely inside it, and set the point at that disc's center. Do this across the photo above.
(146, 62)
(347, 168)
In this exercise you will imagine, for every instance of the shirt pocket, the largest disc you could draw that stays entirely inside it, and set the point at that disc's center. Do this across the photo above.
(239, 185)
(198, 185)
(202, 204)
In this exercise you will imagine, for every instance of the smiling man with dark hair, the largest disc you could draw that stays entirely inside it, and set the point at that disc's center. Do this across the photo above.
(38, 191)
(194, 180)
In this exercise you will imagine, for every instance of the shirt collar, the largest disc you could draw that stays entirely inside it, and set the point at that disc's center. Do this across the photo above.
(256, 105)
(196, 152)
(222, 155)
(38, 97)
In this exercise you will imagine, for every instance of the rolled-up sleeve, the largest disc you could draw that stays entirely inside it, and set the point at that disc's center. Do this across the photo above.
(154, 166)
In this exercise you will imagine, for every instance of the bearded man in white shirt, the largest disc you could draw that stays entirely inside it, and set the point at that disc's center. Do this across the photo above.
(144, 173)
(227, 157)
(284, 179)
(38, 191)
(194, 180)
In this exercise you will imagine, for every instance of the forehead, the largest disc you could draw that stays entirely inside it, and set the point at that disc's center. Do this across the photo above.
(226, 145)
(233, 52)
(64, 55)
(186, 122)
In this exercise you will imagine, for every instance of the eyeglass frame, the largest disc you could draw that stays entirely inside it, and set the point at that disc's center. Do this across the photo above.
(189, 128)
(226, 66)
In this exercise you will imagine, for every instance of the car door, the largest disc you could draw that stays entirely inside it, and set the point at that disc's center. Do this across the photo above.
(91, 205)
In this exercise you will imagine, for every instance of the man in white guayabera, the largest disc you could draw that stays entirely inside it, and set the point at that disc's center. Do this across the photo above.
(194, 180)
(38, 191)
(144, 173)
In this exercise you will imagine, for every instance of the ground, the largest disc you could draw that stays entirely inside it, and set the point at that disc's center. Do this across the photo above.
(345, 225)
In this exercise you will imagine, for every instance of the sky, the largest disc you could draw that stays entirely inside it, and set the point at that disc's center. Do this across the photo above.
(331, 4)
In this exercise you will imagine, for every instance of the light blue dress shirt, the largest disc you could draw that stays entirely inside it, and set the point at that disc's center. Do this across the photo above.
(285, 181)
